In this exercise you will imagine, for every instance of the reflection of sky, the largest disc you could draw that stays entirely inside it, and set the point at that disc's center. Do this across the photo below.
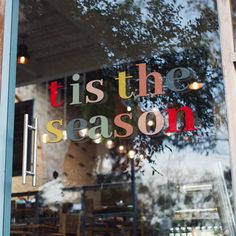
(185, 166)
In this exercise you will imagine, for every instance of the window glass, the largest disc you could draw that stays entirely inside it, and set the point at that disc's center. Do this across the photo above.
(132, 130)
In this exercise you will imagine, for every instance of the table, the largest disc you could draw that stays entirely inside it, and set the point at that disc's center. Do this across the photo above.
(32, 229)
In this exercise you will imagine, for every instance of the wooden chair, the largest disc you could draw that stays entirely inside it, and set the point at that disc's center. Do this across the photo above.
(20, 233)
(54, 234)
(71, 224)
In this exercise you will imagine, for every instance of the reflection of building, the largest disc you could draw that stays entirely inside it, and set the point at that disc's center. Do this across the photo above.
(169, 183)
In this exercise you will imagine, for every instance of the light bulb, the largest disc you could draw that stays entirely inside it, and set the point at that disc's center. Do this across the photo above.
(150, 123)
(121, 149)
(195, 85)
(129, 108)
(131, 154)
(110, 144)
(22, 60)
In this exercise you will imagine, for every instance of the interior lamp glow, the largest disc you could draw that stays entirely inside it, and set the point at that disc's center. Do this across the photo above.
(129, 108)
(131, 154)
(150, 123)
(121, 149)
(109, 144)
(195, 85)
(23, 55)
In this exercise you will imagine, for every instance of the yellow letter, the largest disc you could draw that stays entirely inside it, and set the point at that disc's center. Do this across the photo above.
(122, 85)
(58, 133)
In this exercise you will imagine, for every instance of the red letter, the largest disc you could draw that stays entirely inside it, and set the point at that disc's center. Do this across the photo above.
(126, 126)
(143, 80)
(189, 119)
(54, 94)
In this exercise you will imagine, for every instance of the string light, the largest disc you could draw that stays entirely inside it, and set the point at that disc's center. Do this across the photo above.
(121, 149)
(110, 144)
(129, 108)
(195, 85)
(131, 154)
(150, 123)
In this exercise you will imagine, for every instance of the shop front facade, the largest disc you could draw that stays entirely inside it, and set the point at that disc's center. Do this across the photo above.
(118, 118)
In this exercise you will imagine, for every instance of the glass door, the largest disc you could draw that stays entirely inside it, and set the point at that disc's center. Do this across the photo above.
(120, 126)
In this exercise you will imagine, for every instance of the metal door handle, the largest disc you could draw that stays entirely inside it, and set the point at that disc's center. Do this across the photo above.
(33, 166)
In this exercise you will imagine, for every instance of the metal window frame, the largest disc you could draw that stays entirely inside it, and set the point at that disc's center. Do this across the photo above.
(228, 55)
(7, 101)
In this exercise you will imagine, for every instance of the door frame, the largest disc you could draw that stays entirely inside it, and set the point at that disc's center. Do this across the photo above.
(228, 58)
(7, 101)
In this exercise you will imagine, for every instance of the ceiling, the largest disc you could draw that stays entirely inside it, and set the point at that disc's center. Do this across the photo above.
(59, 43)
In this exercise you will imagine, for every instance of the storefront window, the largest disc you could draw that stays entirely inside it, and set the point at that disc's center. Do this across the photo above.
(132, 130)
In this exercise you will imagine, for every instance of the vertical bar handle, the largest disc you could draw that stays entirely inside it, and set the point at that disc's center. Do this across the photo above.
(33, 166)
(34, 171)
(25, 148)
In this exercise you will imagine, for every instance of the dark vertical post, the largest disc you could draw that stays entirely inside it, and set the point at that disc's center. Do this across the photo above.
(134, 199)
(36, 209)
(83, 212)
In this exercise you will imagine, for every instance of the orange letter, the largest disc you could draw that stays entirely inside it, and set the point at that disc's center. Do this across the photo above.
(143, 80)
(142, 123)
(126, 126)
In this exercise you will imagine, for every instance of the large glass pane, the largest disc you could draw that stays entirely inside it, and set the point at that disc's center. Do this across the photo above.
(132, 132)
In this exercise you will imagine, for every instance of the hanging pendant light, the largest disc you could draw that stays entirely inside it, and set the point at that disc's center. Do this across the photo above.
(23, 54)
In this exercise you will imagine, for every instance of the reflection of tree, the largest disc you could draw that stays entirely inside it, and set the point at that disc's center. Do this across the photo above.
(155, 32)
(144, 29)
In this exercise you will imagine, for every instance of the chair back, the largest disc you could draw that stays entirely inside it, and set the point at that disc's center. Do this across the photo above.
(71, 224)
